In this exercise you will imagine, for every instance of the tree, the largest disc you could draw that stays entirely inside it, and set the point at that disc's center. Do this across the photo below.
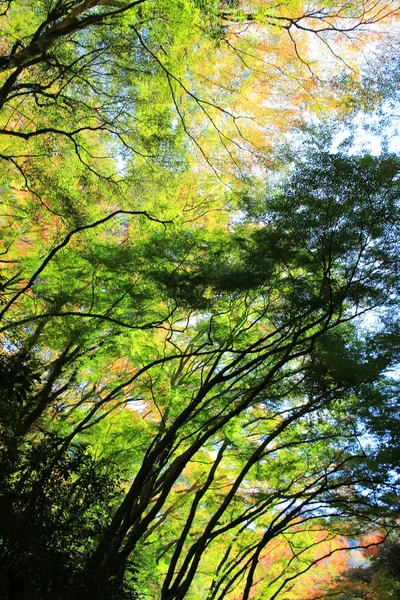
(377, 578)
(188, 389)
(265, 382)
(89, 66)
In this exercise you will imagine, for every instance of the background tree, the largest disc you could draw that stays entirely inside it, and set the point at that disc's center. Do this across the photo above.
(376, 578)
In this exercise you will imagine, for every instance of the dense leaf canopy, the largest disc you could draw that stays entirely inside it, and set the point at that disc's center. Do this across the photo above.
(199, 297)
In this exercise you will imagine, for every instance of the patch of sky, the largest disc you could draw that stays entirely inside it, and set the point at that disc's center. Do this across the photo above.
(137, 406)
(370, 133)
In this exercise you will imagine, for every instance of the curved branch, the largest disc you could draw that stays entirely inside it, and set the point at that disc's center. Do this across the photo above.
(64, 243)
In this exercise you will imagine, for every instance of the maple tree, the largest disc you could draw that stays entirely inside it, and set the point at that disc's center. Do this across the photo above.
(189, 387)
(377, 577)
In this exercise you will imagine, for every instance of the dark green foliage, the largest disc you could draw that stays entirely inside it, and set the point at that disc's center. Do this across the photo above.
(54, 501)
(53, 507)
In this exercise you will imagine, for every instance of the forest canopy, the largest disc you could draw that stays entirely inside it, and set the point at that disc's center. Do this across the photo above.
(199, 294)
